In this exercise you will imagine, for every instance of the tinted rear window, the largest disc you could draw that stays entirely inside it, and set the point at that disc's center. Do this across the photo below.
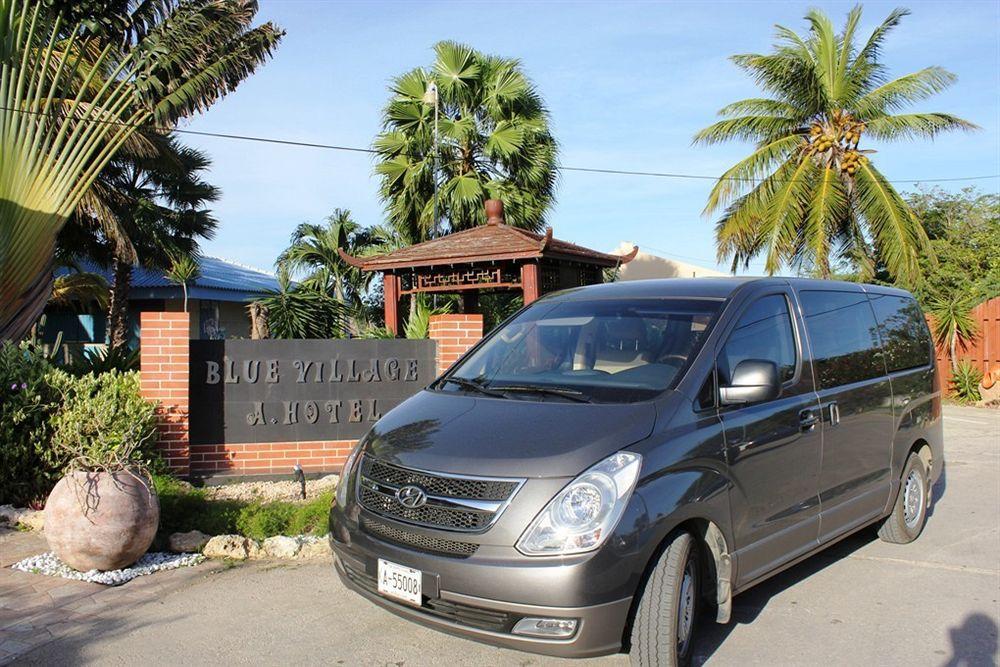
(843, 335)
(905, 336)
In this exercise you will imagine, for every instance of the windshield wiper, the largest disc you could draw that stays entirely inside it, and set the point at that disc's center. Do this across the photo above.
(562, 392)
(471, 384)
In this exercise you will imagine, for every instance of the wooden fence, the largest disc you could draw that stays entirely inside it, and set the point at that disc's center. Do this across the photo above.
(984, 352)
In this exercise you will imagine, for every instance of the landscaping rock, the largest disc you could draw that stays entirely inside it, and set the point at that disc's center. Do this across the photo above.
(27, 518)
(315, 547)
(234, 547)
(282, 546)
(190, 542)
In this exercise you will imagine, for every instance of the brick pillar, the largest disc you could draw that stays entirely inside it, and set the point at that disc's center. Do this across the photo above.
(454, 334)
(163, 360)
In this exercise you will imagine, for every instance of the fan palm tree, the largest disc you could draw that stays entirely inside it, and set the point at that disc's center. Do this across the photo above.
(74, 89)
(810, 189)
(146, 209)
(493, 141)
(313, 254)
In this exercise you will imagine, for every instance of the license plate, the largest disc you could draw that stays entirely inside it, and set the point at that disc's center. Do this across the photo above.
(397, 581)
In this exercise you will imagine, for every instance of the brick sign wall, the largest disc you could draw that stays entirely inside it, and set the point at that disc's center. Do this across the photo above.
(243, 407)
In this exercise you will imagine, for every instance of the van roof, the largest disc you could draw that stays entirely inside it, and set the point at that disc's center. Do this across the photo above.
(711, 287)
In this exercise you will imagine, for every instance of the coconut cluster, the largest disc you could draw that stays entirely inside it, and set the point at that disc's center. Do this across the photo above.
(837, 141)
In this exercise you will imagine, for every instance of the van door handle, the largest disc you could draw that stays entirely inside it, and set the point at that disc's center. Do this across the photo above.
(808, 419)
(834, 413)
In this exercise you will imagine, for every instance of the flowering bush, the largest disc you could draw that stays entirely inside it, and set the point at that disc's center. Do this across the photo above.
(29, 397)
(50, 419)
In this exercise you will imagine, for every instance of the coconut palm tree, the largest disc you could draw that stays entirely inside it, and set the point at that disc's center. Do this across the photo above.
(493, 141)
(76, 87)
(313, 255)
(810, 190)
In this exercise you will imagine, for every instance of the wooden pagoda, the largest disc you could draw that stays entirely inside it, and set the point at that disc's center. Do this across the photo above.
(494, 256)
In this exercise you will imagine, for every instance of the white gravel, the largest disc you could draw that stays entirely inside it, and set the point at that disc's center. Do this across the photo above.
(48, 564)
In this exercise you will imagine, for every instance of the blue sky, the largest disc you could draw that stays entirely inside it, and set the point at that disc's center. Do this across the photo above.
(627, 85)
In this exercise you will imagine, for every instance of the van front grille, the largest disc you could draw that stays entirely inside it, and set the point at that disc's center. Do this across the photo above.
(450, 502)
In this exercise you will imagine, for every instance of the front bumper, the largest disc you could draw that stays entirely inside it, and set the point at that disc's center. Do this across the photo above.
(599, 627)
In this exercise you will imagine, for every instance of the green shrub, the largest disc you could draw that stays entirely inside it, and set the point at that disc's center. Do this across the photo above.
(29, 467)
(965, 381)
(105, 422)
(183, 508)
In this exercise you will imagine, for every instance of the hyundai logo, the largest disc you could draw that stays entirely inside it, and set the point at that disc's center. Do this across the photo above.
(411, 496)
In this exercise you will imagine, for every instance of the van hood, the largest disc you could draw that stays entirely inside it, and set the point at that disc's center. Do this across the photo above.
(471, 435)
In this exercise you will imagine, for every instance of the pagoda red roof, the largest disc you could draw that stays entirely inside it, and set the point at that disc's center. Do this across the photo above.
(491, 242)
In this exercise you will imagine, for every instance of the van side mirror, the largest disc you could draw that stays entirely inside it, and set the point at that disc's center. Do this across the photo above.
(753, 381)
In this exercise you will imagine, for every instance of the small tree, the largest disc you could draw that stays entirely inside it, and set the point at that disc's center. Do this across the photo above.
(953, 323)
(184, 270)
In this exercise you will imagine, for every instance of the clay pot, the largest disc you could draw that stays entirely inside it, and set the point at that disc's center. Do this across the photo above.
(101, 521)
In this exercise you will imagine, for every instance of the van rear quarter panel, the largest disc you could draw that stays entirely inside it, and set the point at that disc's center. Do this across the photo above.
(917, 417)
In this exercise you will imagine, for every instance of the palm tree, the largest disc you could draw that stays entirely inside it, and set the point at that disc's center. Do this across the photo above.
(78, 289)
(184, 270)
(313, 254)
(146, 209)
(809, 191)
(75, 88)
(493, 141)
(296, 310)
(953, 323)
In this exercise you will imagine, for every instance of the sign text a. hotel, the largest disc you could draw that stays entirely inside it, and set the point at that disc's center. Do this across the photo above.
(289, 390)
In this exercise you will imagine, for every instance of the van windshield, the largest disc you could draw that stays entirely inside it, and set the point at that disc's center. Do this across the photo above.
(606, 351)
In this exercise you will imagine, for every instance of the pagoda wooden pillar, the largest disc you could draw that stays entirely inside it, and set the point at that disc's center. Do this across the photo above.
(390, 294)
(530, 283)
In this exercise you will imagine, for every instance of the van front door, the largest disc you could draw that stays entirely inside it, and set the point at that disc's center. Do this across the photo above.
(773, 448)
(856, 399)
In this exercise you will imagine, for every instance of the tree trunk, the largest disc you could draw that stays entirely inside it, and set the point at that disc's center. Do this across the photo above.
(118, 306)
(954, 341)
(184, 288)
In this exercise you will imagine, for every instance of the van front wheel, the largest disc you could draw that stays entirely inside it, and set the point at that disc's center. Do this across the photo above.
(664, 624)
(909, 514)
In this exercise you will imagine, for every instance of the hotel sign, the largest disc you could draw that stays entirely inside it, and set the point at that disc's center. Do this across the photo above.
(245, 391)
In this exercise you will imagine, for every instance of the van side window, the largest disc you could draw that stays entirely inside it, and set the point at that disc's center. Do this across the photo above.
(844, 337)
(905, 336)
(764, 331)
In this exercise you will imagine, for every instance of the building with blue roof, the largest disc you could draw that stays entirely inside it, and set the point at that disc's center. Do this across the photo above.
(217, 302)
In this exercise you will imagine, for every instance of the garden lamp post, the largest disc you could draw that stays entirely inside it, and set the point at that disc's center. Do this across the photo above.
(431, 97)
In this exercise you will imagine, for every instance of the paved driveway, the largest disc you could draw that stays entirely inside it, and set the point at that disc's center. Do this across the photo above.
(863, 602)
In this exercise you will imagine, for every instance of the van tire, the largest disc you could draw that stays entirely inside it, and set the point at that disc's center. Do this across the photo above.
(655, 629)
(909, 514)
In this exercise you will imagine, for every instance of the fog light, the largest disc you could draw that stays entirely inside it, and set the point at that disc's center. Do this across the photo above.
(545, 627)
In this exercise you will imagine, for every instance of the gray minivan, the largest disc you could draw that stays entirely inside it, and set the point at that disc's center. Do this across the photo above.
(614, 458)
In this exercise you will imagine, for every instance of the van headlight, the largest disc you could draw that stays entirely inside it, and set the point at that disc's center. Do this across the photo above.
(344, 483)
(583, 514)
